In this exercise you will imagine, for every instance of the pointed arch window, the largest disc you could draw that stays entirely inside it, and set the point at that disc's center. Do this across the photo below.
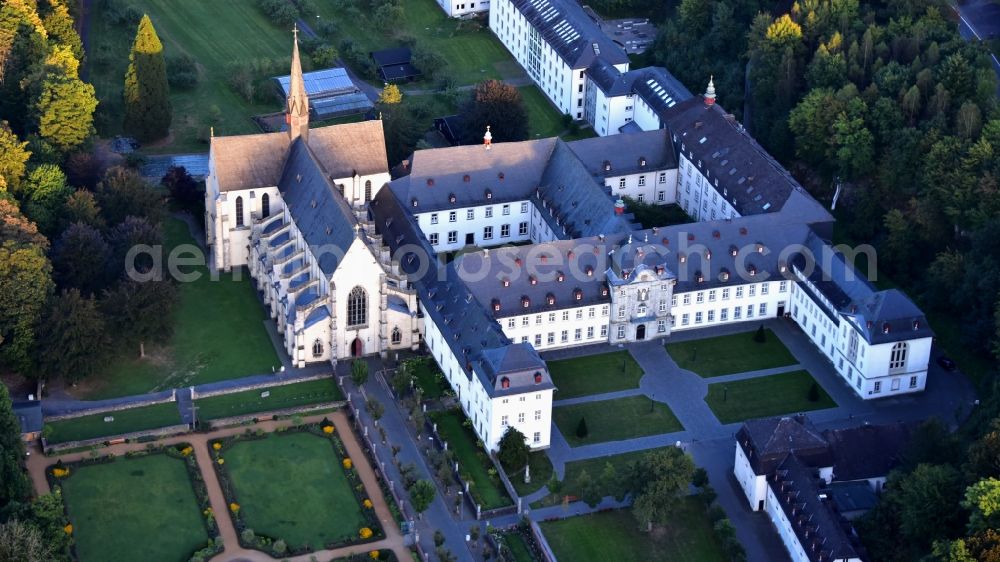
(357, 307)
(317, 348)
(368, 190)
(239, 211)
(265, 206)
(397, 336)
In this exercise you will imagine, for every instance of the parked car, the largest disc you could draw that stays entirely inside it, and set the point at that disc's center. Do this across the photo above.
(946, 363)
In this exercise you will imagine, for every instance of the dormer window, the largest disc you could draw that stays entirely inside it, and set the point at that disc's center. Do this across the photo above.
(708, 254)
(589, 271)
(550, 298)
(682, 258)
(560, 277)
(505, 282)
(578, 294)
(760, 248)
(525, 302)
(724, 275)
(466, 178)
(782, 267)
(532, 280)
(570, 254)
(500, 176)
(496, 305)
(489, 194)
(625, 274)
(607, 165)
(538, 378)
(733, 251)
(451, 198)
(413, 201)
(505, 383)
(517, 262)
(430, 182)
(752, 270)
(642, 161)
(885, 327)
(604, 291)
(916, 325)
(699, 277)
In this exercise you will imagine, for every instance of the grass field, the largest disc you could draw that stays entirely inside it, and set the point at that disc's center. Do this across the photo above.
(540, 469)
(615, 535)
(429, 378)
(134, 509)
(727, 355)
(594, 374)
(125, 421)
(518, 547)
(213, 33)
(473, 463)
(763, 397)
(614, 420)
(291, 486)
(218, 334)
(471, 54)
(285, 396)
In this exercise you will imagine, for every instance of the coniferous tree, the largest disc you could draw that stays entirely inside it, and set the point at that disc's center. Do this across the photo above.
(13, 483)
(147, 94)
(72, 341)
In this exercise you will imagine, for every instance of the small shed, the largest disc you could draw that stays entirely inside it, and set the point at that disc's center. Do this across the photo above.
(450, 128)
(394, 65)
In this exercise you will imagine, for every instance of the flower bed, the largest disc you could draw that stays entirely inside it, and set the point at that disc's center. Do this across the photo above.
(258, 496)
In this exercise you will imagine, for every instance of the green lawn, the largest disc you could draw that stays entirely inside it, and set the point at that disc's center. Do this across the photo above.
(125, 421)
(134, 509)
(614, 420)
(213, 33)
(727, 355)
(471, 54)
(544, 120)
(429, 378)
(473, 463)
(594, 374)
(285, 396)
(540, 470)
(650, 215)
(218, 334)
(519, 550)
(615, 535)
(763, 397)
(594, 469)
(292, 486)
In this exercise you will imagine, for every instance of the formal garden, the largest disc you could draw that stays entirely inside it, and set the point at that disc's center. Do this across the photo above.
(107, 424)
(594, 374)
(474, 466)
(730, 354)
(218, 334)
(427, 376)
(319, 391)
(295, 491)
(614, 420)
(763, 397)
(148, 505)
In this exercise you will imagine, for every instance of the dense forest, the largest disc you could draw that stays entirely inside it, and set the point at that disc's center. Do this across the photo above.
(885, 103)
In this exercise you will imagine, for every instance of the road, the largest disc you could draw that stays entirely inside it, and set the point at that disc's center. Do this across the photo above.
(980, 19)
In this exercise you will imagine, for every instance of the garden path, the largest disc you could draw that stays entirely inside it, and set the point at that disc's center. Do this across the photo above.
(37, 463)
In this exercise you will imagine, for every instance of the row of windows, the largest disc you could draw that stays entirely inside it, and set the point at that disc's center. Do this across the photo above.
(470, 214)
(709, 315)
(522, 230)
(526, 320)
(751, 290)
(661, 327)
(265, 208)
(578, 335)
(642, 180)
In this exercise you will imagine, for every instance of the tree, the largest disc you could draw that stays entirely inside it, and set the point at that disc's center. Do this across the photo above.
(402, 131)
(123, 192)
(610, 479)
(581, 429)
(132, 235)
(760, 336)
(497, 105)
(375, 408)
(591, 489)
(147, 93)
(23, 542)
(813, 395)
(428, 61)
(72, 341)
(513, 450)
(421, 495)
(141, 312)
(926, 500)
(14, 485)
(390, 95)
(183, 189)
(660, 479)
(44, 194)
(65, 110)
(359, 372)
(25, 284)
(80, 259)
(13, 158)
(58, 22)
(982, 499)
(81, 207)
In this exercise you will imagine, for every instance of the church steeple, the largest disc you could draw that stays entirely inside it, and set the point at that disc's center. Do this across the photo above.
(297, 107)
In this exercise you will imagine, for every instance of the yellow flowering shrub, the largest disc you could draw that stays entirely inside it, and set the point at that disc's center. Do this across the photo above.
(208, 512)
(328, 429)
(60, 472)
(368, 503)
(68, 528)
(187, 451)
(348, 464)
(221, 461)
(234, 507)
(216, 445)
(365, 533)
(373, 555)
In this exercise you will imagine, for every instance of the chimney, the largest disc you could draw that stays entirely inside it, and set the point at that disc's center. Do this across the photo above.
(710, 92)
(488, 138)
(619, 207)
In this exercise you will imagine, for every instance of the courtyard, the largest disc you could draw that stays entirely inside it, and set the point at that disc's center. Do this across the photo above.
(729, 354)
(218, 334)
(473, 464)
(292, 486)
(762, 397)
(594, 374)
(134, 509)
(614, 420)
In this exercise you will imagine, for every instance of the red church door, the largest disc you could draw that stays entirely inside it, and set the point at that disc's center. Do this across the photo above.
(357, 348)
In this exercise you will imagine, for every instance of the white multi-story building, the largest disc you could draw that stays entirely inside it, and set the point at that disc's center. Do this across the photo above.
(464, 8)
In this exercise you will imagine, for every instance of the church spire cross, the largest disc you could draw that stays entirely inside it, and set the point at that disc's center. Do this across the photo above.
(297, 109)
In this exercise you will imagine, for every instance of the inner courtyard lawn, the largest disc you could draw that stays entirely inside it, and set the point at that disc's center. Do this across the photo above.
(292, 486)
(763, 397)
(218, 334)
(734, 353)
(429, 378)
(615, 420)
(473, 463)
(134, 509)
(615, 535)
(125, 421)
(594, 468)
(214, 34)
(594, 374)
(540, 470)
(280, 397)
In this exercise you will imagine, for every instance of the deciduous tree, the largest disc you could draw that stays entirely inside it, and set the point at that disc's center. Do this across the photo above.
(13, 157)
(421, 495)
(513, 453)
(124, 193)
(140, 311)
(498, 105)
(659, 481)
(80, 259)
(65, 110)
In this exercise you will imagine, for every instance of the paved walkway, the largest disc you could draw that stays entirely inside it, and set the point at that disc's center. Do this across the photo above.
(394, 540)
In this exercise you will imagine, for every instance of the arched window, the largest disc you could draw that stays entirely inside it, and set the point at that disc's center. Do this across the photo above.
(317, 348)
(368, 190)
(397, 336)
(265, 205)
(897, 358)
(357, 307)
(239, 211)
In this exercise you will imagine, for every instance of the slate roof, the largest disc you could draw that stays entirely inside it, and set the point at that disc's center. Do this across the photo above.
(768, 442)
(399, 55)
(576, 38)
(254, 161)
(321, 215)
(655, 84)
(868, 451)
(740, 169)
(654, 146)
(852, 496)
(29, 415)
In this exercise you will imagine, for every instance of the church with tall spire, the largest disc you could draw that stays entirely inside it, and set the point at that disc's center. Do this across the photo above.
(291, 209)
